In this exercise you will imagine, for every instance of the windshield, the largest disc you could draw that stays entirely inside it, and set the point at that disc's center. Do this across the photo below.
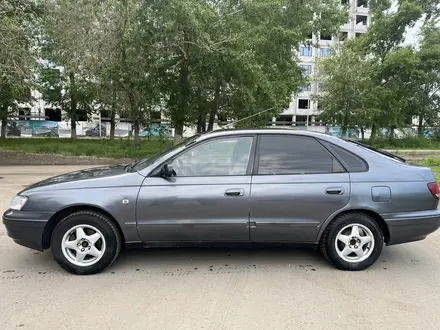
(150, 160)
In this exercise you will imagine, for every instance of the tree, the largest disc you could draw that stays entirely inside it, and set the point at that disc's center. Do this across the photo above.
(76, 95)
(398, 71)
(346, 77)
(232, 58)
(18, 24)
(66, 45)
(386, 83)
(120, 59)
(426, 101)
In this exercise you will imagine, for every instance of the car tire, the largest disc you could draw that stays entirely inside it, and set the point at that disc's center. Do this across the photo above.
(85, 242)
(352, 241)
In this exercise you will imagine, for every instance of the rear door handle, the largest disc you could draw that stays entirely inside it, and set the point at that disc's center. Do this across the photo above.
(335, 191)
(234, 192)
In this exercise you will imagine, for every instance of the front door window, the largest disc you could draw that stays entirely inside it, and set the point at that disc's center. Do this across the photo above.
(220, 157)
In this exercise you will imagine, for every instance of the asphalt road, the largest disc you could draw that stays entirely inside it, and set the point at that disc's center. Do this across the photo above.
(215, 288)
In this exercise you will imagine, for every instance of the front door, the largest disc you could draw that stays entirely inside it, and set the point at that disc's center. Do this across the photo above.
(297, 184)
(208, 198)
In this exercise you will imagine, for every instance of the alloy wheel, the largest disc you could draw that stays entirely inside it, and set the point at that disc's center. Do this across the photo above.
(83, 245)
(354, 243)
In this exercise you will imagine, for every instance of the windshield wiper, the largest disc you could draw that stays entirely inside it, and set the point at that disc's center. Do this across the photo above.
(383, 152)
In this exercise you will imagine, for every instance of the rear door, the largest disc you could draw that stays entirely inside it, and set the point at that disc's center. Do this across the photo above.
(297, 184)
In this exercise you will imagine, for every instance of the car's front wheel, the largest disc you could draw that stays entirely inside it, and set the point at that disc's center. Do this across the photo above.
(352, 241)
(85, 242)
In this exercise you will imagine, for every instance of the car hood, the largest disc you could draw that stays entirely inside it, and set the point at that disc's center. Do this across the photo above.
(97, 177)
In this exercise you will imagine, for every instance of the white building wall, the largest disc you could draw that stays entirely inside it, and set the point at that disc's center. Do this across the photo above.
(355, 25)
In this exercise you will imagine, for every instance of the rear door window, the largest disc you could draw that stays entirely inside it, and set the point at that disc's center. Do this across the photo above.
(287, 154)
(351, 162)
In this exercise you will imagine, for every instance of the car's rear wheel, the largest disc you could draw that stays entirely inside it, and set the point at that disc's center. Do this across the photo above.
(85, 242)
(352, 241)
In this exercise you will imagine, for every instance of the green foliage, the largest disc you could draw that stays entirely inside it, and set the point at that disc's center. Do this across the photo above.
(230, 58)
(346, 99)
(56, 89)
(18, 22)
(432, 162)
(407, 143)
(379, 82)
(436, 171)
(87, 147)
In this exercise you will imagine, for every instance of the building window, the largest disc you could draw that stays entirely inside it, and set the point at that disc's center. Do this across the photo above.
(105, 115)
(23, 114)
(155, 116)
(362, 3)
(358, 35)
(306, 88)
(326, 37)
(361, 20)
(52, 114)
(307, 69)
(301, 120)
(82, 116)
(345, 2)
(320, 87)
(303, 104)
(324, 52)
(305, 51)
(344, 36)
(284, 120)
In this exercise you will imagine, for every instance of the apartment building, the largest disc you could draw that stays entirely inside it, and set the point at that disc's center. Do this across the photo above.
(303, 110)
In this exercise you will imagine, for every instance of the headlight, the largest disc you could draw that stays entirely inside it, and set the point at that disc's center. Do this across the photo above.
(18, 202)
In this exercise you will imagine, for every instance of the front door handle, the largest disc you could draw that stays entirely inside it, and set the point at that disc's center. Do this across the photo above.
(335, 191)
(234, 193)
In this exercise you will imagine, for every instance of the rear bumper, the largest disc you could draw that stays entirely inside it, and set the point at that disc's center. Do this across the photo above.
(411, 226)
(26, 228)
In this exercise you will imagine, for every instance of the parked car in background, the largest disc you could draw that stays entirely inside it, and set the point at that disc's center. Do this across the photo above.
(232, 187)
(47, 132)
(98, 130)
(13, 129)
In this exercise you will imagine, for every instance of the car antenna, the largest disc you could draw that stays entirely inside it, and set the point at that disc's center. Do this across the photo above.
(255, 114)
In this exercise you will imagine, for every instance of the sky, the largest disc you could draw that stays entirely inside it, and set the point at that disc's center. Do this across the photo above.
(412, 35)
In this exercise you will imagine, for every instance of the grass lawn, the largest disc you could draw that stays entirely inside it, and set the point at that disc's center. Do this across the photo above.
(86, 147)
(410, 143)
(436, 171)
(434, 164)
(123, 148)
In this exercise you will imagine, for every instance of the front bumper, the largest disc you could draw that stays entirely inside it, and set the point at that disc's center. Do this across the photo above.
(26, 228)
(411, 226)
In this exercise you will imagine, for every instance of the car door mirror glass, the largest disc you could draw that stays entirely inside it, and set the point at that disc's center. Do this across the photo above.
(167, 171)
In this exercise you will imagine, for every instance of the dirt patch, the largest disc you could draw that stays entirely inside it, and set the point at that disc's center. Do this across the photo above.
(18, 158)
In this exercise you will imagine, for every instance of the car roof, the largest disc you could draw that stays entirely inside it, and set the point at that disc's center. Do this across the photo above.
(222, 132)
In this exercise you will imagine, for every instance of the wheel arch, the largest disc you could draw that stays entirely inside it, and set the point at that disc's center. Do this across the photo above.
(376, 217)
(64, 212)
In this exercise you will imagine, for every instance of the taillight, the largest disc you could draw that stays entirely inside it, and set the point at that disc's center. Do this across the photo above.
(434, 189)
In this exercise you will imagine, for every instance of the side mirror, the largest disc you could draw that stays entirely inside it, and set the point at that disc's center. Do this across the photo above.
(167, 171)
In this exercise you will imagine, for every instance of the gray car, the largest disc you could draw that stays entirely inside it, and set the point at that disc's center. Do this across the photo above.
(232, 187)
